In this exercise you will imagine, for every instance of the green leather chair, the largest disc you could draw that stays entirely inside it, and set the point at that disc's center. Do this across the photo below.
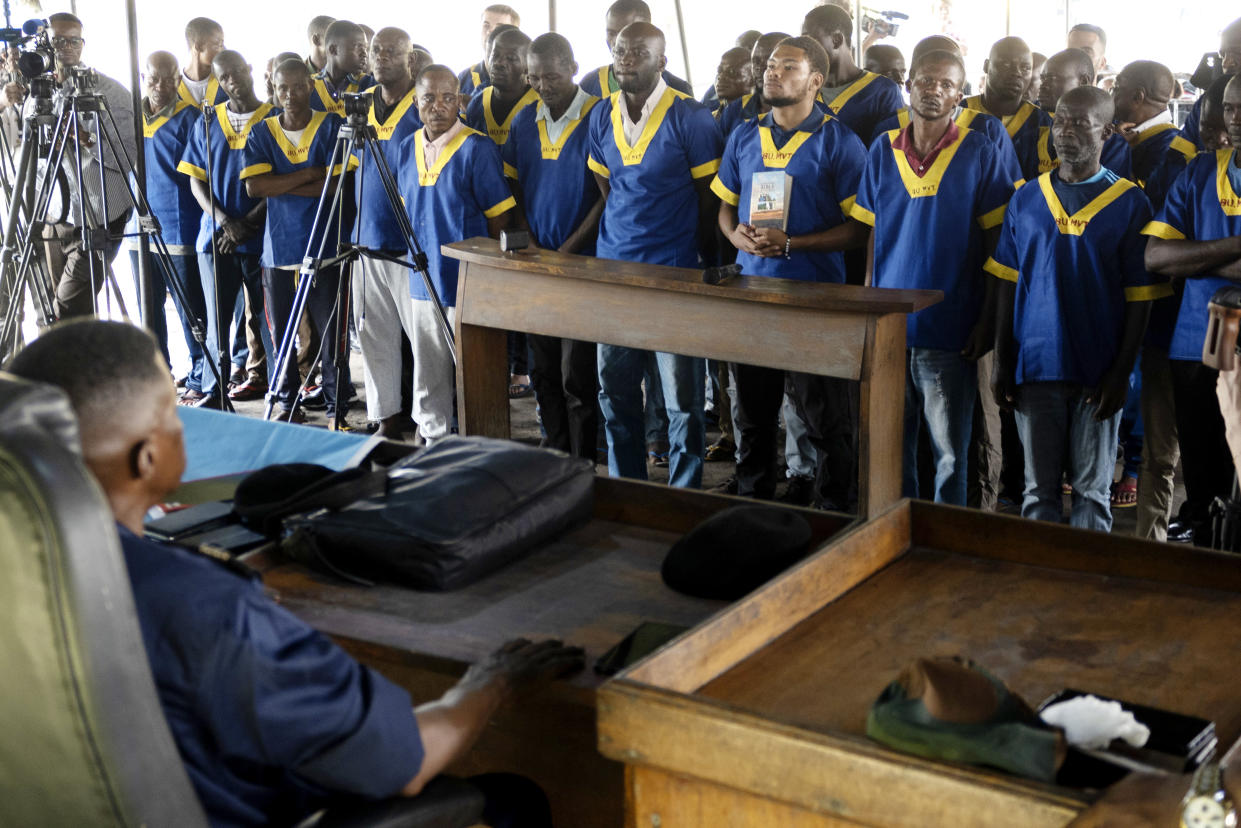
(84, 739)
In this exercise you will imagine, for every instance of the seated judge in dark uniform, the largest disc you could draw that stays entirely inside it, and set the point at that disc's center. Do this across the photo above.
(272, 720)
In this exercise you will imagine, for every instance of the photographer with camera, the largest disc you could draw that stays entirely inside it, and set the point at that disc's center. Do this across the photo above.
(67, 256)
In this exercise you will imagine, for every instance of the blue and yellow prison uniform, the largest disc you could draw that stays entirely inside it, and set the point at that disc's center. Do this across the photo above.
(168, 192)
(825, 160)
(652, 208)
(290, 218)
(212, 95)
(1116, 155)
(988, 125)
(558, 187)
(1023, 129)
(1151, 147)
(451, 201)
(376, 227)
(326, 98)
(1202, 205)
(228, 159)
(864, 103)
(474, 78)
(480, 114)
(1075, 253)
(928, 231)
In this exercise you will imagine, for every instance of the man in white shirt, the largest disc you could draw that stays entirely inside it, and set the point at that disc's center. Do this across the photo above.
(204, 38)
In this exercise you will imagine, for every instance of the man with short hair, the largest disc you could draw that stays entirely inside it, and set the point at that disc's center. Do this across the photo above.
(1037, 61)
(745, 42)
(271, 719)
(654, 169)
(204, 38)
(419, 59)
(750, 105)
(270, 70)
(1093, 41)
(493, 107)
(381, 303)
(452, 182)
(344, 67)
(77, 284)
(1009, 67)
(316, 33)
(230, 240)
(859, 98)
(286, 163)
(545, 158)
(885, 60)
(1067, 70)
(825, 160)
(1074, 296)
(1230, 63)
(602, 82)
(476, 77)
(734, 77)
(935, 194)
(1196, 236)
(168, 121)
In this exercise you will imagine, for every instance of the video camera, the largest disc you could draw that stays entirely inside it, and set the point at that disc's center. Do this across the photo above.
(884, 22)
(357, 105)
(37, 57)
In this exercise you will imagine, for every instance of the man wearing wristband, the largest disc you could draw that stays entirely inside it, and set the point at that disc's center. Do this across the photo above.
(825, 161)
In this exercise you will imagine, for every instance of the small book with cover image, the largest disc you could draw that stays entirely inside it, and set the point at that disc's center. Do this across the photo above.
(769, 199)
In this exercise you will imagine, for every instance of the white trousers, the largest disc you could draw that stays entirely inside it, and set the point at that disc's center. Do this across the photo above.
(382, 309)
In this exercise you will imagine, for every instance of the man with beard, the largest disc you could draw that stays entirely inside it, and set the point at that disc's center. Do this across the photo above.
(1064, 71)
(935, 194)
(825, 160)
(654, 151)
(1074, 296)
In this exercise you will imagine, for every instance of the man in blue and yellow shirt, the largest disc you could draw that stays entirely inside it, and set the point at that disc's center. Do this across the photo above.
(935, 194)
(545, 157)
(1072, 309)
(654, 151)
(1063, 71)
(1196, 236)
(492, 108)
(1009, 68)
(452, 181)
(287, 160)
(602, 82)
(825, 160)
(859, 98)
(493, 17)
(344, 68)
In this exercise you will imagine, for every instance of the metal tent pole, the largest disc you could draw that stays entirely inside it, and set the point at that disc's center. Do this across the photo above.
(150, 308)
(684, 44)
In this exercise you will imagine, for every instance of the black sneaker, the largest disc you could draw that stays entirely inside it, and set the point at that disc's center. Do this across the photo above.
(728, 487)
(800, 491)
(313, 398)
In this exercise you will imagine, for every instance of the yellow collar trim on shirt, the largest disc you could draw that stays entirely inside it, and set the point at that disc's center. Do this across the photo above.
(1012, 123)
(1151, 132)
(605, 80)
(964, 118)
(852, 89)
(927, 185)
(1076, 224)
(213, 87)
(237, 140)
(384, 131)
(476, 74)
(633, 155)
(330, 104)
(150, 127)
(551, 152)
(499, 131)
(1229, 201)
(1045, 162)
(296, 153)
(780, 158)
(428, 178)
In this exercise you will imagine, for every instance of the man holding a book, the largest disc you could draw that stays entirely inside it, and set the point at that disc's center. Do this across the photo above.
(786, 183)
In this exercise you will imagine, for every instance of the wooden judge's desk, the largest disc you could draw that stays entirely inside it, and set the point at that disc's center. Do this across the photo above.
(857, 333)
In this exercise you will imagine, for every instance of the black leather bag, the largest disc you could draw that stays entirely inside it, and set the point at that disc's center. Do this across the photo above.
(450, 515)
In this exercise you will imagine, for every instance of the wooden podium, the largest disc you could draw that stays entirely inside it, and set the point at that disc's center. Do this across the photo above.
(844, 331)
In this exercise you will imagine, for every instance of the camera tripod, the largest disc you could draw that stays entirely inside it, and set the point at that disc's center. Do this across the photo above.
(81, 111)
(356, 135)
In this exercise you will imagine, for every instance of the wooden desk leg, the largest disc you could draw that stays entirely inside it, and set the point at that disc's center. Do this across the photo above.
(881, 415)
(482, 381)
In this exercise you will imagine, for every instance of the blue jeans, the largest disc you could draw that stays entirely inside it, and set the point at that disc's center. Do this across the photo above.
(940, 388)
(683, 381)
(1055, 422)
(233, 269)
(185, 271)
(654, 415)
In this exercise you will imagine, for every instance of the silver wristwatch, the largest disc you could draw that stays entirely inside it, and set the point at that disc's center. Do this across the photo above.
(1207, 805)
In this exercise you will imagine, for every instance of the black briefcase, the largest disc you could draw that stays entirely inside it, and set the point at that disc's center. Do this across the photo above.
(449, 515)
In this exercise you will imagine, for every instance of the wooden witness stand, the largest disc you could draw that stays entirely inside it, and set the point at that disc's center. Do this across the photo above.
(857, 333)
